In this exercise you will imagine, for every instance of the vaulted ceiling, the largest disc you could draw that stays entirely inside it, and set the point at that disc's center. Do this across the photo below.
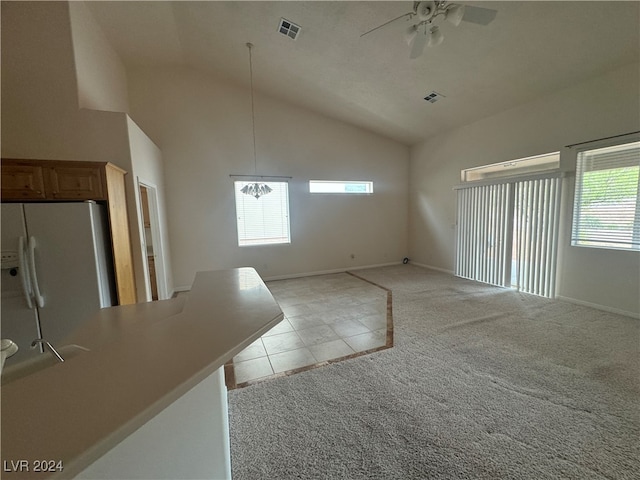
(528, 50)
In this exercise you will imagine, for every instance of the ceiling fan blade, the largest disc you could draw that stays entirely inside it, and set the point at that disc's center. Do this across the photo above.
(418, 45)
(386, 23)
(479, 15)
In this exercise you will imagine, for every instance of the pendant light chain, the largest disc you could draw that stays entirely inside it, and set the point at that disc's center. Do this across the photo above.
(255, 189)
(253, 112)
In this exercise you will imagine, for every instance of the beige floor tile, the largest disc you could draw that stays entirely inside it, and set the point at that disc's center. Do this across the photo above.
(255, 350)
(252, 369)
(331, 350)
(348, 328)
(294, 310)
(283, 327)
(365, 341)
(301, 357)
(315, 335)
(302, 322)
(282, 342)
(351, 312)
(374, 321)
(326, 317)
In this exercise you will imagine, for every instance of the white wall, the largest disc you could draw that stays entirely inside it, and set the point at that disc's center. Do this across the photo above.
(203, 127)
(55, 60)
(40, 115)
(148, 169)
(100, 75)
(596, 108)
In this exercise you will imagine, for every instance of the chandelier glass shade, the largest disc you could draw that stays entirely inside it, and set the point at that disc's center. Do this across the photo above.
(256, 189)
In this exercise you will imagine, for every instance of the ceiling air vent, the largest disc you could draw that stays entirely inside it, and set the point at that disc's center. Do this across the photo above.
(433, 97)
(288, 28)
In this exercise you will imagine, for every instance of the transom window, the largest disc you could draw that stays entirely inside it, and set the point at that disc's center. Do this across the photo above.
(263, 220)
(329, 186)
(606, 210)
(536, 164)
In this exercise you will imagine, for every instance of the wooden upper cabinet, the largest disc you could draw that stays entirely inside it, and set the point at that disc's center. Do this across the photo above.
(77, 183)
(54, 180)
(24, 182)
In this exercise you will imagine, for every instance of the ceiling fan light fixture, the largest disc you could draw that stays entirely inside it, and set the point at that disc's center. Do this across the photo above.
(435, 36)
(454, 14)
(410, 34)
(425, 10)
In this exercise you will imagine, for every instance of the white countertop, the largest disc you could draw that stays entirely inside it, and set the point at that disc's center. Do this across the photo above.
(143, 357)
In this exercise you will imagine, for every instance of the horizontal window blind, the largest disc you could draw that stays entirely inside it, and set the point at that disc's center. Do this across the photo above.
(263, 220)
(606, 210)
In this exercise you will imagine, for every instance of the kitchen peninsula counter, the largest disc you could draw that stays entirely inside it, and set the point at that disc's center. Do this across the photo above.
(142, 359)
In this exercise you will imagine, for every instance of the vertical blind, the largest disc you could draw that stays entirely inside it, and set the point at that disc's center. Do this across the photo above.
(606, 210)
(537, 210)
(483, 246)
(507, 234)
(263, 220)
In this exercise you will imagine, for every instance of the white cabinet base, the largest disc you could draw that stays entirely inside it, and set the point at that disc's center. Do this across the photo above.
(187, 440)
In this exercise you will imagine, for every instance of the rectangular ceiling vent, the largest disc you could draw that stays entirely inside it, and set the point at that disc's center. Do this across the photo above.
(288, 28)
(433, 97)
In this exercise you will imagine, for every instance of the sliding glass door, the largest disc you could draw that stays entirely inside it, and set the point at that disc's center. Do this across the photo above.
(507, 233)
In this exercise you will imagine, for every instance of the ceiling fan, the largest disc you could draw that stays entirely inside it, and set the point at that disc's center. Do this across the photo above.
(425, 28)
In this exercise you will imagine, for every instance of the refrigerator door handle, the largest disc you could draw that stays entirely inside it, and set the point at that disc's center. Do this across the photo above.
(34, 277)
(24, 273)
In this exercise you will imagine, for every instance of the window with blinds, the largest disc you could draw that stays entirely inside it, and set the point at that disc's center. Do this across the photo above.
(263, 220)
(606, 210)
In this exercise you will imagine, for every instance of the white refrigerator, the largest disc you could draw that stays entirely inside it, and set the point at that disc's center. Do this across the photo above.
(57, 271)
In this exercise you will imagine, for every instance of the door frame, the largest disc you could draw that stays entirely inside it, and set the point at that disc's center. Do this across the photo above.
(156, 238)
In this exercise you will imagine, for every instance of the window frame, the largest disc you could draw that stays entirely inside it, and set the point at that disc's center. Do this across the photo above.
(498, 172)
(577, 208)
(368, 184)
(242, 212)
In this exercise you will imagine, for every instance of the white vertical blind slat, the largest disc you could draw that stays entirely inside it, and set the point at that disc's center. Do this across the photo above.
(500, 220)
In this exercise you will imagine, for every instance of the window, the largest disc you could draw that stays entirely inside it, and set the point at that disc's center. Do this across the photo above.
(537, 164)
(606, 210)
(326, 186)
(264, 220)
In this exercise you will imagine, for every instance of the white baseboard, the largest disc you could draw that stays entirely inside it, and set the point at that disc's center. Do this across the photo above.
(327, 272)
(180, 289)
(305, 274)
(431, 267)
(598, 307)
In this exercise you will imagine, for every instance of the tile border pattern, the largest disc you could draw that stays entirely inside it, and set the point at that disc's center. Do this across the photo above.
(229, 371)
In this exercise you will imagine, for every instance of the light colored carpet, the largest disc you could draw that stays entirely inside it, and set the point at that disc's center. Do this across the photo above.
(482, 383)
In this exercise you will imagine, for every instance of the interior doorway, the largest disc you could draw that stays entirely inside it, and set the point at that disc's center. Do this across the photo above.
(152, 246)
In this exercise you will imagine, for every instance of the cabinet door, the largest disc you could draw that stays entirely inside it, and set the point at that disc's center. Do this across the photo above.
(77, 183)
(22, 182)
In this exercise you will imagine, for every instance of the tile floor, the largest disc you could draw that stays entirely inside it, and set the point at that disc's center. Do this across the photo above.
(327, 318)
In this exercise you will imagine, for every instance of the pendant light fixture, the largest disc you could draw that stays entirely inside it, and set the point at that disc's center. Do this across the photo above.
(255, 189)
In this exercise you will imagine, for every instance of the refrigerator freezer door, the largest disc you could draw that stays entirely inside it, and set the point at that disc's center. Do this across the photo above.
(19, 322)
(68, 265)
